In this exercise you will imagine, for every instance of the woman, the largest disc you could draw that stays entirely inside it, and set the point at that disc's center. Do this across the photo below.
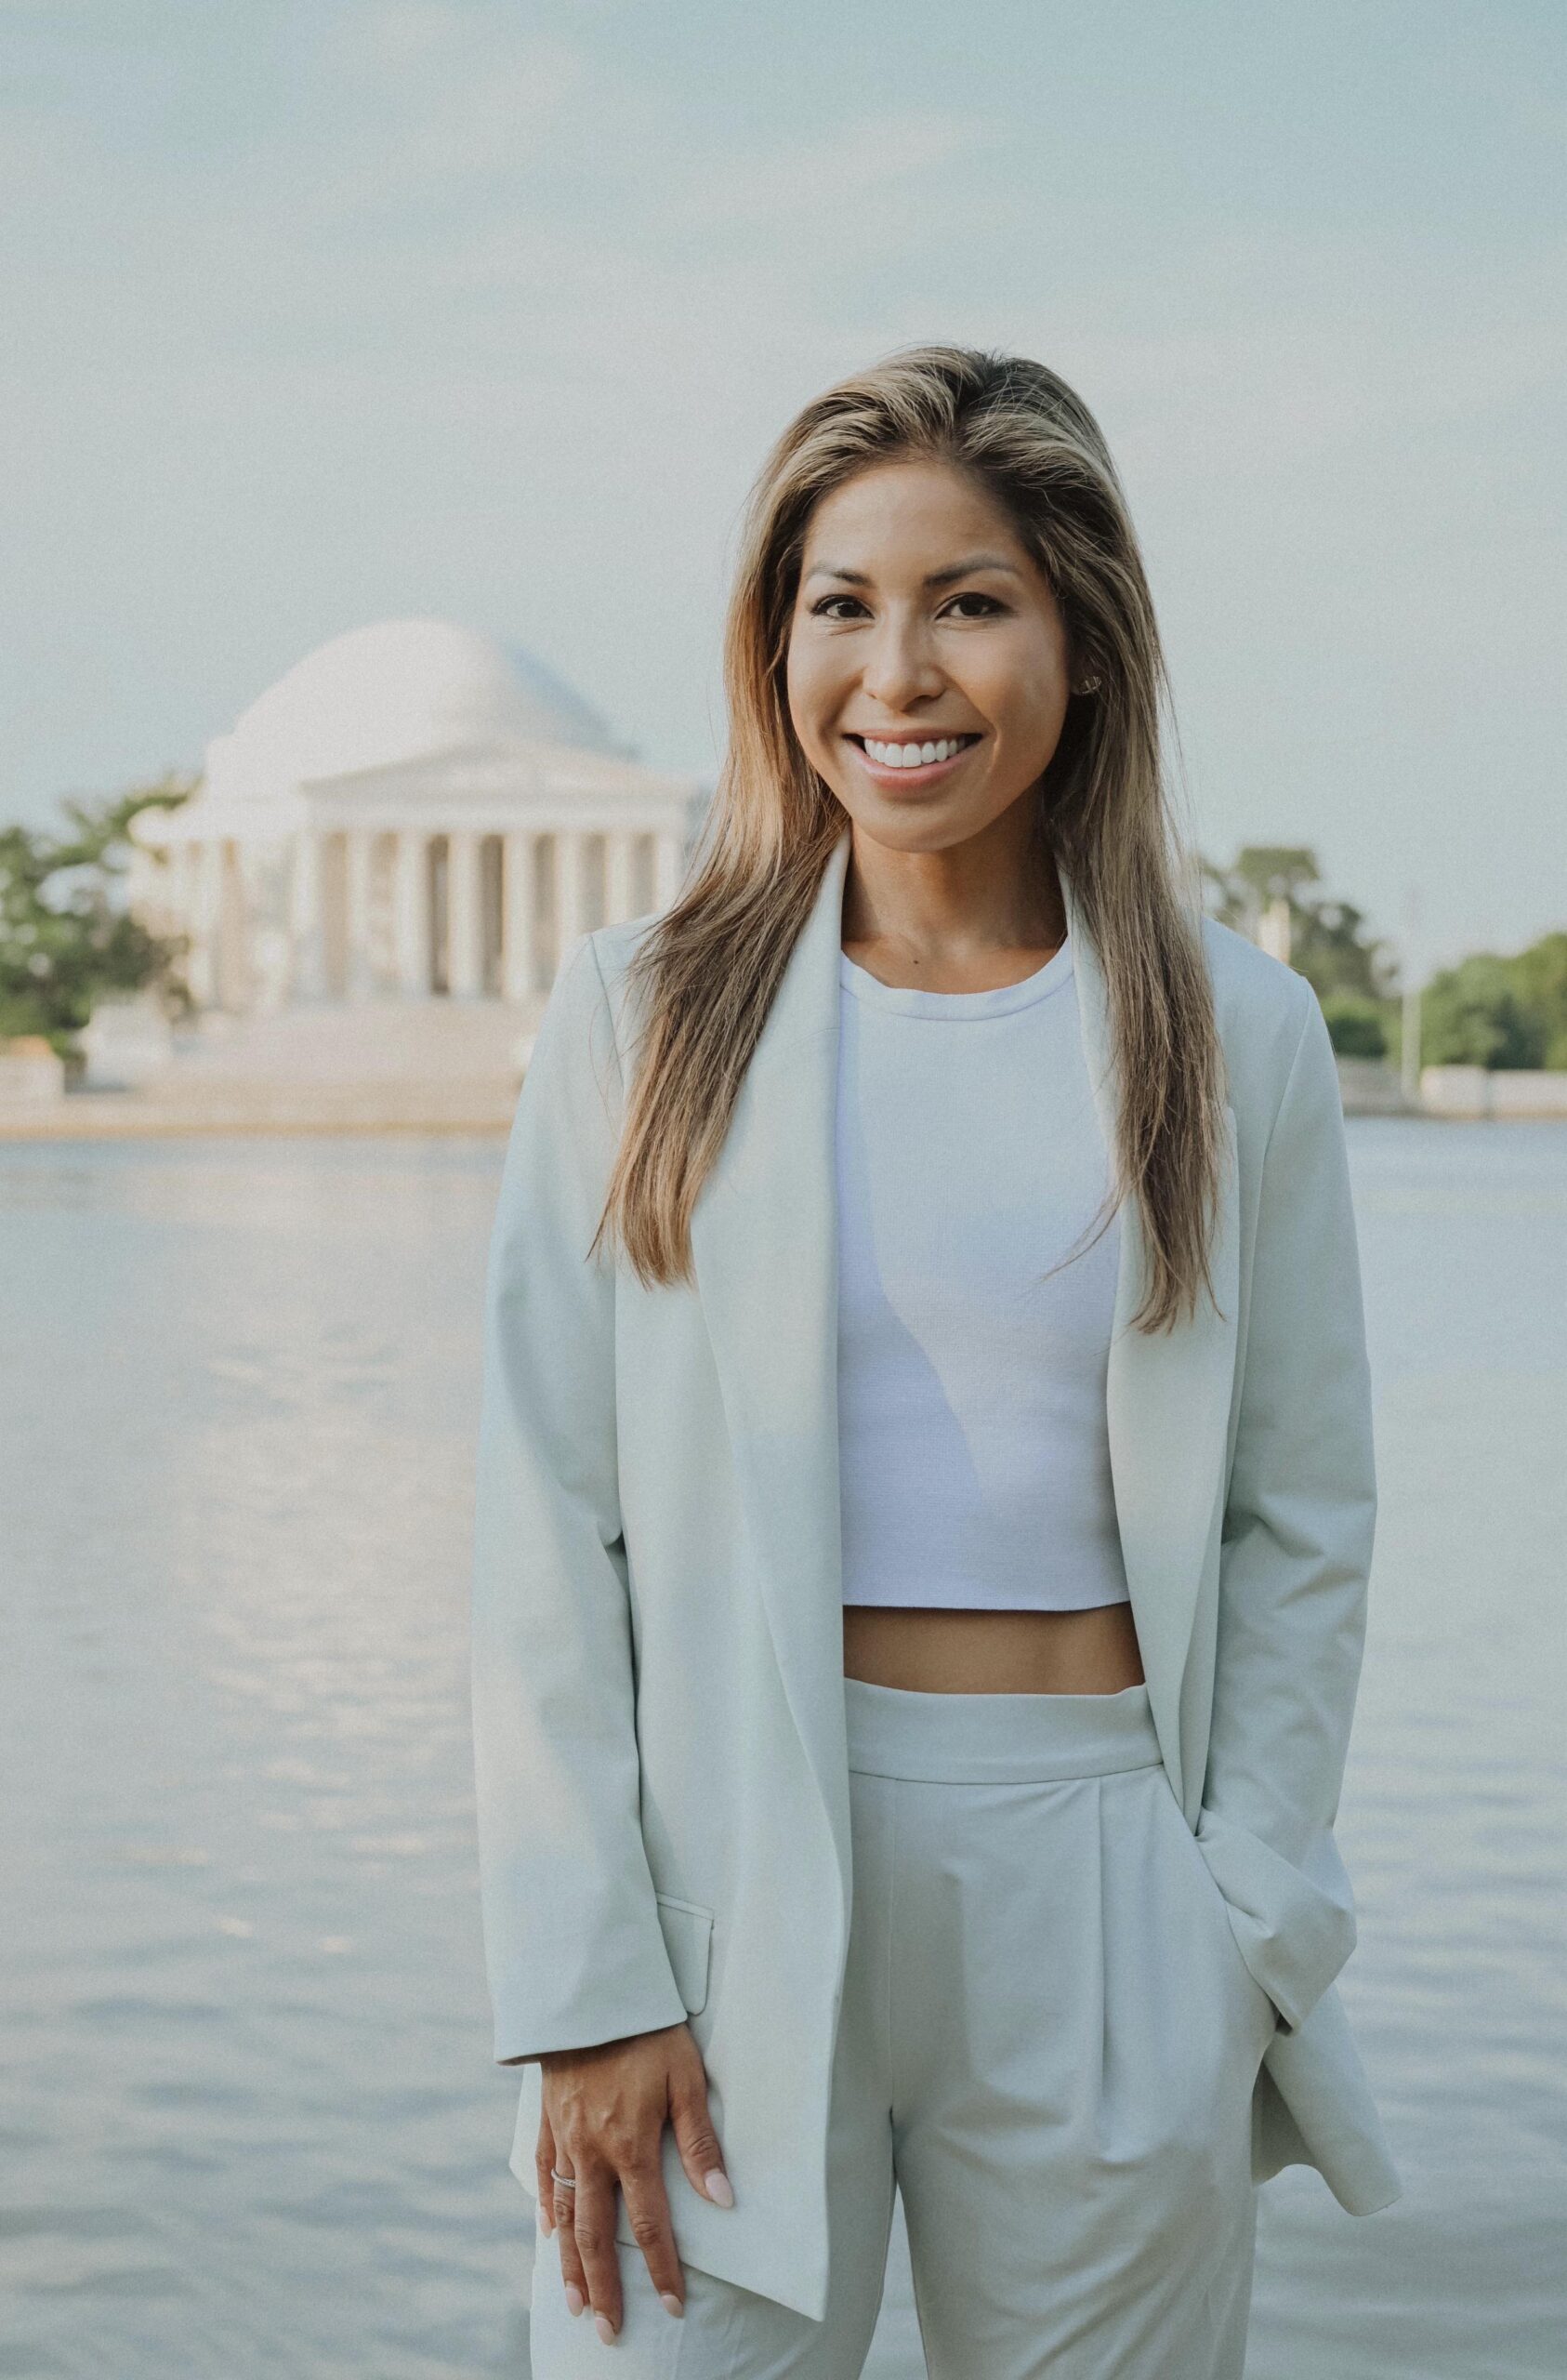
(925, 1493)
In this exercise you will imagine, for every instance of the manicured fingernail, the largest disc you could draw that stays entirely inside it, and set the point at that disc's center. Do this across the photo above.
(606, 2329)
(669, 2301)
(718, 2188)
(575, 2301)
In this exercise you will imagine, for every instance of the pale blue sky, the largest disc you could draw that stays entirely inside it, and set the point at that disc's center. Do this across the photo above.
(321, 311)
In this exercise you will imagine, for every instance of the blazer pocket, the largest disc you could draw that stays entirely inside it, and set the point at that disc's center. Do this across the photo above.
(687, 1938)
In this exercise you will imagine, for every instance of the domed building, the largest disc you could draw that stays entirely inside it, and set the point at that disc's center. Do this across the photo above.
(414, 812)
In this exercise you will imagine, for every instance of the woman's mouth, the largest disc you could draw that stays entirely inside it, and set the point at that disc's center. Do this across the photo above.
(910, 761)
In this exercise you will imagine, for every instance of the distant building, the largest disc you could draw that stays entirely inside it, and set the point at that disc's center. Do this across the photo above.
(414, 812)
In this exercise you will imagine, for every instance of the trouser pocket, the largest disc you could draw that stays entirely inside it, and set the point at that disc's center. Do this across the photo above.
(1255, 2011)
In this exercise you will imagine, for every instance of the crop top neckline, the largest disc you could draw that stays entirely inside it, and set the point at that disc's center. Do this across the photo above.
(903, 999)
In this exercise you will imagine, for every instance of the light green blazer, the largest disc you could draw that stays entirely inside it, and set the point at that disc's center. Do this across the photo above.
(661, 1758)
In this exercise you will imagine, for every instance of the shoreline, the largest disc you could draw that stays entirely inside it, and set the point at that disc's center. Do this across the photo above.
(281, 1112)
(485, 1106)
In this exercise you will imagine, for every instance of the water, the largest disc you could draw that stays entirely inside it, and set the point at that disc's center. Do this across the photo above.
(249, 2120)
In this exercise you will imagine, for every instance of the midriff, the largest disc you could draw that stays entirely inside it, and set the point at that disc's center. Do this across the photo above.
(934, 1650)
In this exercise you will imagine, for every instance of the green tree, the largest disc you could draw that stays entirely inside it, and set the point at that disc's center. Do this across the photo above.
(1348, 967)
(65, 940)
(1541, 976)
(1497, 1011)
(1258, 873)
(1356, 1026)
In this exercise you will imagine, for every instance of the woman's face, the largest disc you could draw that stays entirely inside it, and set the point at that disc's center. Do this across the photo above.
(921, 619)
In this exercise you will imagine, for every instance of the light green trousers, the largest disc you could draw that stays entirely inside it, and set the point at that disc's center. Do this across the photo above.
(1047, 2041)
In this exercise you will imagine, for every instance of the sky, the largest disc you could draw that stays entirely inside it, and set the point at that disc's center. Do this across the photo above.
(324, 312)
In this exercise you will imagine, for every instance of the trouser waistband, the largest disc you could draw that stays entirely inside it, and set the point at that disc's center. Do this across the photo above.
(996, 1738)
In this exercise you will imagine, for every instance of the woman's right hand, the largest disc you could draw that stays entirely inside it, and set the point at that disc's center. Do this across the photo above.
(604, 2111)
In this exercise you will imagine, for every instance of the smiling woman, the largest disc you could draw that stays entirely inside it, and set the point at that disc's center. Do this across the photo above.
(925, 1484)
(931, 694)
(901, 512)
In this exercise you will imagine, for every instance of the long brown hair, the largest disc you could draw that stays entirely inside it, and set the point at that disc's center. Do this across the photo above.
(704, 975)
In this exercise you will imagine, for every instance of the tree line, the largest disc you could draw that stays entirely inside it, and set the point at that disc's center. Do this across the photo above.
(1490, 1010)
(67, 942)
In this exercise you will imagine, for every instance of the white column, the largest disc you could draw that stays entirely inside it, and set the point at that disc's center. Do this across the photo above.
(310, 951)
(411, 915)
(620, 896)
(236, 982)
(571, 910)
(142, 888)
(185, 860)
(358, 971)
(201, 971)
(517, 933)
(465, 962)
(669, 863)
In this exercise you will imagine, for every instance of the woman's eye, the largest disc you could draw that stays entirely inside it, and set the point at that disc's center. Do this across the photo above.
(822, 609)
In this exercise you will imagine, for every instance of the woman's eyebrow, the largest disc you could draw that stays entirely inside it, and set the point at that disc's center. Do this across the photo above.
(932, 578)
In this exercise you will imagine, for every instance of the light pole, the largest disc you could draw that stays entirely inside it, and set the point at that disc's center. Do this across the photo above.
(1273, 928)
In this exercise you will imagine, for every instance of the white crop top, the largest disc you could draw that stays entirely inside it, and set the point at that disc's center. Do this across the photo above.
(974, 1457)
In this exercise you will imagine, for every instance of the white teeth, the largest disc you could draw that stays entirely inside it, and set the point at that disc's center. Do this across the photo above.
(911, 756)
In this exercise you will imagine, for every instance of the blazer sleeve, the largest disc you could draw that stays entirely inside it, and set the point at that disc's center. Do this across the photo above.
(1294, 1556)
(573, 1950)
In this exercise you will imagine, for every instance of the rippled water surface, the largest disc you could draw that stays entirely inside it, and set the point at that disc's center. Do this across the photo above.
(249, 2120)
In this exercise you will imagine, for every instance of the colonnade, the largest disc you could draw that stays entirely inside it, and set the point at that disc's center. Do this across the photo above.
(372, 912)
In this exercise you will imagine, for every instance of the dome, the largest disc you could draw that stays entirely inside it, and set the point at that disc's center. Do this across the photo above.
(403, 690)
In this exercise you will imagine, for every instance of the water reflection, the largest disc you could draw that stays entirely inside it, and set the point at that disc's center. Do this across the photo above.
(248, 2121)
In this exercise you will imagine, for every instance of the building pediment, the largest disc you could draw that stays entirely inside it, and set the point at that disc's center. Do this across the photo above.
(499, 768)
(456, 775)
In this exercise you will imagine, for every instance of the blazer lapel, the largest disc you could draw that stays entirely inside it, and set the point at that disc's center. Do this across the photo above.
(764, 1249)
(1166, 1398)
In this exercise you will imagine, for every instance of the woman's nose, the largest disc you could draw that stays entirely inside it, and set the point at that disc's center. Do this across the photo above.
(899, 667)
